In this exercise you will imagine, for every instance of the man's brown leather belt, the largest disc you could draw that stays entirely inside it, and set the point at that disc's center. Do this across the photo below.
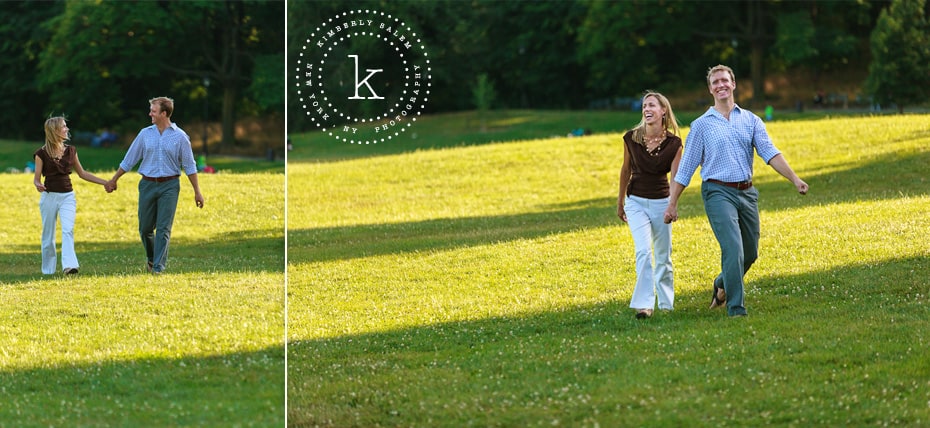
(160, 179)
(739, 185)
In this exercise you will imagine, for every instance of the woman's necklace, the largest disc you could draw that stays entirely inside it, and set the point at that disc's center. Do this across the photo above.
(653, 144)
(56, 155)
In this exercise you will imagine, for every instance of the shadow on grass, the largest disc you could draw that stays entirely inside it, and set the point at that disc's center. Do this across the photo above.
(236, 389)
(335, 243)
(241, 251)
(597, 364)
(870, 181)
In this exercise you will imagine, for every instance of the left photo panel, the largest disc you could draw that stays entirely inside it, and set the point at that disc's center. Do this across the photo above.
(142, 222)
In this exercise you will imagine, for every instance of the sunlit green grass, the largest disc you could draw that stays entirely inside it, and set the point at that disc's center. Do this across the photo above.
(488, 285)
(200, 345)
(461, 129)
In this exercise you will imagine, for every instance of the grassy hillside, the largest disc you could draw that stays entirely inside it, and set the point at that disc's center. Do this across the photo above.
(485, 282)
(462, 129)
(201, 345)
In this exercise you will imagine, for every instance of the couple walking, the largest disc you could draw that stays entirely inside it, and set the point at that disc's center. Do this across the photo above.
(721, 142)
(164, 151)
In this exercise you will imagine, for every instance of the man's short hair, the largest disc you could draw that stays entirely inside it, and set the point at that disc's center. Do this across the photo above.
(165, 104)
(720, 67)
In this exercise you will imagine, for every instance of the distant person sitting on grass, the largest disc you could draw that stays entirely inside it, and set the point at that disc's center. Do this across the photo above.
(579, 132)
(55, 160)
(106, 138)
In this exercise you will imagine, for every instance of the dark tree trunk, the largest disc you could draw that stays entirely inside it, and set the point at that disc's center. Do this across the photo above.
(229, 114)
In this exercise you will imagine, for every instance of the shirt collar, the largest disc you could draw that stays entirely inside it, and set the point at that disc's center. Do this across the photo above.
(172, 126)
(711, 111)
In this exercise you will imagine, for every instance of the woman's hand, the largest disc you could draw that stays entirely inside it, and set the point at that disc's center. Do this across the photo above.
(37, 179)
(671, 214)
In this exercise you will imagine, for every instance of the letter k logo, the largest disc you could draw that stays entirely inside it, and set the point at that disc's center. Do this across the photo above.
(364, 82)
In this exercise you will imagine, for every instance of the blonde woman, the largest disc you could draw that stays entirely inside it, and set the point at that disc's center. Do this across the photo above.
(651, 151)
(55, 160)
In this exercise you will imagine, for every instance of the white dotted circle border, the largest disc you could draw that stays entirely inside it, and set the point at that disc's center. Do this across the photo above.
(395, 34)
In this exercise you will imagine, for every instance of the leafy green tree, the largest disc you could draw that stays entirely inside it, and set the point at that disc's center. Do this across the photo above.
(228, 37)
(106, 58)
(564, 54)
(632, 46)
(796, 36)
(22, 39)
(98, 59)
(900, 68)
(267, 88)
(530, 53)
(822, 36)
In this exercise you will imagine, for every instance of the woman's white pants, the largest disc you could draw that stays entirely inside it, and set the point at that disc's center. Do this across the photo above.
(653, 242)
(54, 207)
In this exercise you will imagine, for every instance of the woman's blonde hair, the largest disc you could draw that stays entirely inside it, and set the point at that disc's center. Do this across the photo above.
(53, 138)
(669, 121)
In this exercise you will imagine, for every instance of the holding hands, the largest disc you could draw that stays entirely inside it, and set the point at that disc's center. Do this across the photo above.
(671, 214)
(110, 186)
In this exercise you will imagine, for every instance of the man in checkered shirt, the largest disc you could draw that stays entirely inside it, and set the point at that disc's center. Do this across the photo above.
(722, 142)
(163, 152)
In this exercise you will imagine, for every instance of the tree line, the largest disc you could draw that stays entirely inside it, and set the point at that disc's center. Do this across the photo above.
(571, 54)
(99, 62)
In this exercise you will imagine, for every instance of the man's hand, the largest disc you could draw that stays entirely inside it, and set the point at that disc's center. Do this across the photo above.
(802, 186)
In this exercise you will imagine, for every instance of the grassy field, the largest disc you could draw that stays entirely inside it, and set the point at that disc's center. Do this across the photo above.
(485, 281)
(457, 130)
(201, 345)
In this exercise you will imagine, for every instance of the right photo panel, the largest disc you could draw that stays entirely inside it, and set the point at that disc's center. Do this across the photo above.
(607, 213)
